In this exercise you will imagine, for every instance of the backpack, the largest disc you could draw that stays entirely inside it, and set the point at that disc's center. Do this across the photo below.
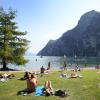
(61, 93)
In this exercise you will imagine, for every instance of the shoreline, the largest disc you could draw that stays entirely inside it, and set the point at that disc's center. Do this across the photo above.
(69, 69)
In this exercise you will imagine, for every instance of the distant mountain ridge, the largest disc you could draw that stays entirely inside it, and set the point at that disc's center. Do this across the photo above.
(83, 40)
(29, 54)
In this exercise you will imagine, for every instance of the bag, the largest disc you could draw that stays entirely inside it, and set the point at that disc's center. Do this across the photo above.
(61, 93)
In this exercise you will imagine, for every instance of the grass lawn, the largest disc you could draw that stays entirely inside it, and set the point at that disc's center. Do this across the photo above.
(86, 88)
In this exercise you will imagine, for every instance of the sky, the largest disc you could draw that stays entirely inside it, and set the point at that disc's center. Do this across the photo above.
(48, 19)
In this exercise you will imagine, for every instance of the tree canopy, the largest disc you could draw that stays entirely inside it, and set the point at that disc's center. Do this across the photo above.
(13, 44)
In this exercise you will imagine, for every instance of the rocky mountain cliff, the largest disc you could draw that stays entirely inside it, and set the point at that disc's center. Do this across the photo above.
(83, 40)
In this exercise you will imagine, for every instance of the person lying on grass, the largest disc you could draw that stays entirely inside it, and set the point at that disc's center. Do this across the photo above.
(98, 78)
(5, 75)
(31, 84)
(47, 90)
(75, 75)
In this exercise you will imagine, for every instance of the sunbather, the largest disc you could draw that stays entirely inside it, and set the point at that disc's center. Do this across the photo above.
(47, 90)
(25, 76)
(98, 78)
(31, 84)
(75, 75)
(1, 76)
(5, 75)
(10, 76)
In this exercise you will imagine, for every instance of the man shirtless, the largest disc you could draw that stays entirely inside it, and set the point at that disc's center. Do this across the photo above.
(31, 83)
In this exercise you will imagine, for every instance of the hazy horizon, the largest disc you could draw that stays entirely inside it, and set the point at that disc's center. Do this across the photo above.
(48, 19)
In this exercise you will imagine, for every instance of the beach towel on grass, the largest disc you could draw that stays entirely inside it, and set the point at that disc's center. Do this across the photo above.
(39, 90)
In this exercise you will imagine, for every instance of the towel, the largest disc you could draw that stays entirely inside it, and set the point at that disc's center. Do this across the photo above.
(39, 90)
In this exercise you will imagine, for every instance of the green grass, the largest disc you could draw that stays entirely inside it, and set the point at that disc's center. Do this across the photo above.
(86, 88)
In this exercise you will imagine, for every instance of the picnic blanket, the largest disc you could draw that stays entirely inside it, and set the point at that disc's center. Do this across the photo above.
(39, 90)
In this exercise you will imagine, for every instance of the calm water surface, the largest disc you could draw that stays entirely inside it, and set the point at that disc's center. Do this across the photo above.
(35, 62)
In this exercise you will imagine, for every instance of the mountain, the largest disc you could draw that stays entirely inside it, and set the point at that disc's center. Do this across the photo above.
(82, 40)
(29, 54)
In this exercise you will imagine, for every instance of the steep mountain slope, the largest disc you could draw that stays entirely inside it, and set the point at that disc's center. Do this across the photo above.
(83, 40)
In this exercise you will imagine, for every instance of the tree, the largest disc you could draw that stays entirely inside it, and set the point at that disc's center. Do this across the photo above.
(13, 44)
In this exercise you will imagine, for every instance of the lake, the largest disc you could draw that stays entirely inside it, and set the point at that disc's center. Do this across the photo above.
(35, 62)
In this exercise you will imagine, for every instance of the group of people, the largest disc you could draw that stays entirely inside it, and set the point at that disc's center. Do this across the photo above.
(32, 83)
(4, 77)
(74, 73)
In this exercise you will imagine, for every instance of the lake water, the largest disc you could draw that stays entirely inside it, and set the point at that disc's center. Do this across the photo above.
(35, 62)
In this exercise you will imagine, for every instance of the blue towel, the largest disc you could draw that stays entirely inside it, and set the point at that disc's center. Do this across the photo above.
(39, 90)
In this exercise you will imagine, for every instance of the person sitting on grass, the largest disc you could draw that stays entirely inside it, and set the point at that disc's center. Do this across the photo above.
(48, 90)
(31, 84)
(25, 76)
(42, 70)
(97, 66)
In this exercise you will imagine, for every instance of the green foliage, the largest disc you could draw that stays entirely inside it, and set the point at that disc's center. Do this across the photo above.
(12, 42)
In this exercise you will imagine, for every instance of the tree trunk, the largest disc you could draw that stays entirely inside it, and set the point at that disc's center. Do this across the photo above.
(4, 64)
